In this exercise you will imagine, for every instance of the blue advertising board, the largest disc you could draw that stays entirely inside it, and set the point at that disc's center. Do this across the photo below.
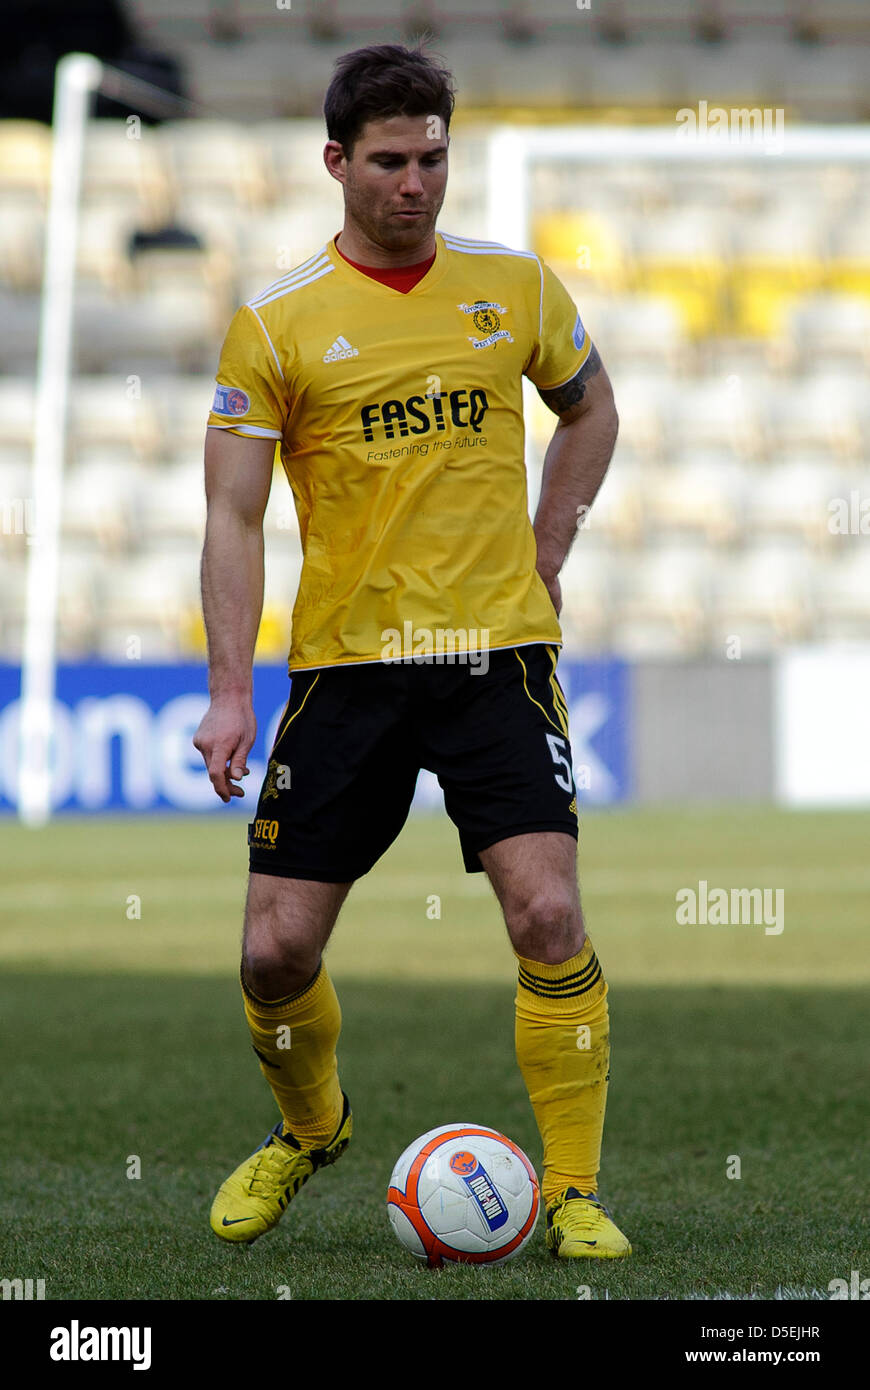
(123, 736)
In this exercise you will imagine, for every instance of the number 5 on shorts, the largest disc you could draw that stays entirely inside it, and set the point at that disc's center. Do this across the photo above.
(557, 746)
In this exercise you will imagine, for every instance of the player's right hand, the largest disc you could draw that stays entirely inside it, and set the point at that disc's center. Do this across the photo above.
(225, 737)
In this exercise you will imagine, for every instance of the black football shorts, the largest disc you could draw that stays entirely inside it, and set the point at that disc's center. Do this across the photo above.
(352, 740)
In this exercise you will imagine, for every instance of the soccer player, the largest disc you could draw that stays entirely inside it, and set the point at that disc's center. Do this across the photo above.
(388, 367)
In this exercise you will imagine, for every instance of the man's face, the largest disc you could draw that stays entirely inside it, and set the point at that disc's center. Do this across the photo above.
(395, 179)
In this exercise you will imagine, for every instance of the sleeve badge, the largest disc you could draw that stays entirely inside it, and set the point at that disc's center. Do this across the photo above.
(229, 400)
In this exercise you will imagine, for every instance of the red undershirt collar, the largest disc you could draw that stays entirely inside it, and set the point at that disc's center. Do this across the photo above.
(401, 278)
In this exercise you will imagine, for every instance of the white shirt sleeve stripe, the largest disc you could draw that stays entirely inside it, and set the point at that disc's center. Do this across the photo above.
(254, 430)
(268, 340)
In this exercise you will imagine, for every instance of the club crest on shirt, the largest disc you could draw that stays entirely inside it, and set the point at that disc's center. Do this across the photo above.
(229, 400)
(486, 318)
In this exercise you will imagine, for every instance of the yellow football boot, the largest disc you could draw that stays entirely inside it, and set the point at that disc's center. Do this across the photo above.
(253, 1198)
(579, 1227)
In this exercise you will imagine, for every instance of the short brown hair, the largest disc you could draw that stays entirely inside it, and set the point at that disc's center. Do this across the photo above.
(371, 84)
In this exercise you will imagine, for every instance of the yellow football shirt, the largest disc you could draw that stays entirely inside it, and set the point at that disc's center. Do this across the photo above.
(400, 421)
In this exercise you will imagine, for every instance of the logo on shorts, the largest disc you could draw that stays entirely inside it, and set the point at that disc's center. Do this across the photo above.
(263, 833)
(229, 400)
(277, 780)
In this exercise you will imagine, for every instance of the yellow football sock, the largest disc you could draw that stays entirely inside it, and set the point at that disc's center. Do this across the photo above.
(295, 1040)
(563, 1050)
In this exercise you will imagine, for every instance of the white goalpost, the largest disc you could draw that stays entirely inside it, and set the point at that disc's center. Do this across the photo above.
(512, 149)
(78, 77)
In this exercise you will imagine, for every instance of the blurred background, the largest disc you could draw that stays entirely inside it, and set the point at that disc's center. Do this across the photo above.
(698, 174)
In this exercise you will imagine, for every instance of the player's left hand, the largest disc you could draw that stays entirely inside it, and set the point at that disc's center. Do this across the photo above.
(554, 589)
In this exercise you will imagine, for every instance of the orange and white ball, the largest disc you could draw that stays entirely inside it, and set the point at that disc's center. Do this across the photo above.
(464, 1193)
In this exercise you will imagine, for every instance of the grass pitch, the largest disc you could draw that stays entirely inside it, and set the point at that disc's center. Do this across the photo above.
(123, 1037)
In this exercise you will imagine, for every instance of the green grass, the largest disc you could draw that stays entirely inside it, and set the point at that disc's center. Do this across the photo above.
(126, 1037)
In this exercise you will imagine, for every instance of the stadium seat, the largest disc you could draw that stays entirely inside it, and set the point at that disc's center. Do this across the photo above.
(680, 254)
(619, 513)
(849, 264)
(148, 598)
(220, 227)
(172, 502)
(662, 601)
(721, 412)
(283, 565)
(126, 170)
(581, 240)
(766, 596)
(779, 257)
(644, 402)
(825, 411)
(17, 507)
(184, 403)
(587, 581)
(17, 405)
(630, 188)
(280, 523)
(846, 20)
(174, 322)
(13, 588)
(294, 151)
(792, 500)
(697, 498)
(273, 638)
(16, 472)
(764, 12)
(19, 314)
(113, 411)
(217, 157)
(831, 328)
(86, 574)
(25, 161)
(844, 598)
(100, 499)
(22, 235)
(637, 329)
(278, 240)
(103, 246)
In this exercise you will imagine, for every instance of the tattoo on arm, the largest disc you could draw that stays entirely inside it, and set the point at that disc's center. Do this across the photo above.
(563, 397)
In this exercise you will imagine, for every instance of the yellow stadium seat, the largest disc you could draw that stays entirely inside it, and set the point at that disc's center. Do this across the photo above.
(25, 159)
(273, 639)
(581, 241)
(763, 292)
(694, 289)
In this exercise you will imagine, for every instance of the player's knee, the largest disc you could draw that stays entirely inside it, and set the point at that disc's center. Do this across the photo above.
(548, 927)
(272, 969)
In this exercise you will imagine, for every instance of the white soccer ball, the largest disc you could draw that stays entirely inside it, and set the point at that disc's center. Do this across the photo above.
(465, 1193)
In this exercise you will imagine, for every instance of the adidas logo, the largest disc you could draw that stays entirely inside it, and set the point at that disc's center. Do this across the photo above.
(340, 349)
